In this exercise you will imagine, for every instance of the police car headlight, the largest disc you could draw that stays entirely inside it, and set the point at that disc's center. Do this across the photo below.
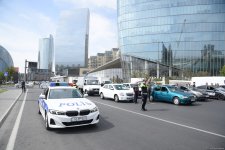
(57, 112)
(94, 109)
(121, 94)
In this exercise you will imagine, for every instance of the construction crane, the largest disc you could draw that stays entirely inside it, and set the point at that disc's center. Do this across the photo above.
(178, 42)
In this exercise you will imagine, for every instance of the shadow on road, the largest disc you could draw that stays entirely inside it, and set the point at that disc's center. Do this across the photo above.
(158, 109)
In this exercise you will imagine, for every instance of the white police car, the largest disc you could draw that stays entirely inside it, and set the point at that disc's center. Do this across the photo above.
(65, 106)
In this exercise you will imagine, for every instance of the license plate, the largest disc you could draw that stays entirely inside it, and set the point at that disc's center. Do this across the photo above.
(80, 118)
(212, 94)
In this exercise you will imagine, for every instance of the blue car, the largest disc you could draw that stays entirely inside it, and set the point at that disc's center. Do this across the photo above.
(168, 93)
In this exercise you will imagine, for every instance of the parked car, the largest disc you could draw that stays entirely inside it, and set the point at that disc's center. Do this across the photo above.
(199, 95)
(29, 84)
(130, 86)
(223, 86)
(18, 85)
(44, 85)
(215, 93)
(118, 92)
(168, 93)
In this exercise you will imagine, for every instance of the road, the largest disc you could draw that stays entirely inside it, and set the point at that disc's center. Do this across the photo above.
(122, 126)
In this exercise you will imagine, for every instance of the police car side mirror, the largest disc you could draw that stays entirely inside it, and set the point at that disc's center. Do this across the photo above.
(42, 96)
(85, 95)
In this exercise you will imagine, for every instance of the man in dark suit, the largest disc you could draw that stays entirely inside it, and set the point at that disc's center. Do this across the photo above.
(23, 85)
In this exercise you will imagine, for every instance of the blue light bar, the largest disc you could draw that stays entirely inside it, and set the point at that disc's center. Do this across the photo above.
(52, 84)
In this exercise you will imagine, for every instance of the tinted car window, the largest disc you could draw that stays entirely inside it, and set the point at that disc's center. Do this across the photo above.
(210, 88)
(157, 88)
(120, 87)
(110, 87)
(183, 88)
(202, 87)
(127, 85)
(163, 89)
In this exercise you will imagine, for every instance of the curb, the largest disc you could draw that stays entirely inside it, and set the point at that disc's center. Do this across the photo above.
(5, 115)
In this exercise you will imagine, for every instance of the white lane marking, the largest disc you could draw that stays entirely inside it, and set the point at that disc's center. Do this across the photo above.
(8, 110)
(12, 139)
(167, 121)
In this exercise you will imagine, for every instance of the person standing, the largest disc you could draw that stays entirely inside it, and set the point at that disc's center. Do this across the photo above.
(23, 85)
(136, 92)
(194, 85)
(144, 95)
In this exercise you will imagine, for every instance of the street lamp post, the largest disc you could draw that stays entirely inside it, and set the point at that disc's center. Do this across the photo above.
(25, 76)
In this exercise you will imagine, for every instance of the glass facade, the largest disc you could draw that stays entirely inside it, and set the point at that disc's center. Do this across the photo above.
(46, 54)
(5, 59)
(185, 34)
(115, 74)
(71, 42)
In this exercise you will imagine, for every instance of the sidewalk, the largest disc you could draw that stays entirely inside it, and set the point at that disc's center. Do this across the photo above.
(7, 101)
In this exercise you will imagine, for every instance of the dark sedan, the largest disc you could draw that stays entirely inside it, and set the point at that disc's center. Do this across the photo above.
(214, 92)
(200, 95)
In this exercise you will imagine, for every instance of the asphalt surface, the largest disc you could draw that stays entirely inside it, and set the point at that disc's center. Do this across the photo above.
(122, 126)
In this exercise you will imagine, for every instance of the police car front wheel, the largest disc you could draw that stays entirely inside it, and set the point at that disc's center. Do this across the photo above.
(116, 98)
(46, 123)
(39, 112)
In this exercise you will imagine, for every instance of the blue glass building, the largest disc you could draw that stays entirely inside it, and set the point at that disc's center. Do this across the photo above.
(71, 42)
(5, 59)
(46, 54)
(185, 34)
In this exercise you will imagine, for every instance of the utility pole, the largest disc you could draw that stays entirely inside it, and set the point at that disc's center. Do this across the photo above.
(25, 75)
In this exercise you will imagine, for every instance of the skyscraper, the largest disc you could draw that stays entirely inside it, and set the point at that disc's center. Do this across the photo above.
(46, 54)
(71, 44)
(189, 35)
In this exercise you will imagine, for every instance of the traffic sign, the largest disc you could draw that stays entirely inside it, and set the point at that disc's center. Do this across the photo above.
(5, 74)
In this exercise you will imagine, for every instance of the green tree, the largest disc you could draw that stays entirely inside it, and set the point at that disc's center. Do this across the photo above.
(1, 76)
(222, 71)
(11, 71)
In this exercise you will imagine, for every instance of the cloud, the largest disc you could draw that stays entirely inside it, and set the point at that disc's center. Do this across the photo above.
(45, 24)
(21, 33)
(37, 22)
(89, 3)
(21, 28)
(20, 43)
(103, 34)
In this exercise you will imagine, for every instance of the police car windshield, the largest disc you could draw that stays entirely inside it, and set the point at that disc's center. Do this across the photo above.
(64, 93)
(120, 87)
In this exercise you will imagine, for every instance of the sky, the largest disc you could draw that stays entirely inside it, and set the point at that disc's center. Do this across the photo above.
(24, 22)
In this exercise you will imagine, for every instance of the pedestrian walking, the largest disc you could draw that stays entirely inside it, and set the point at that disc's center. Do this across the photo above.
(23, 85)
(144, 95)
(136, 92)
